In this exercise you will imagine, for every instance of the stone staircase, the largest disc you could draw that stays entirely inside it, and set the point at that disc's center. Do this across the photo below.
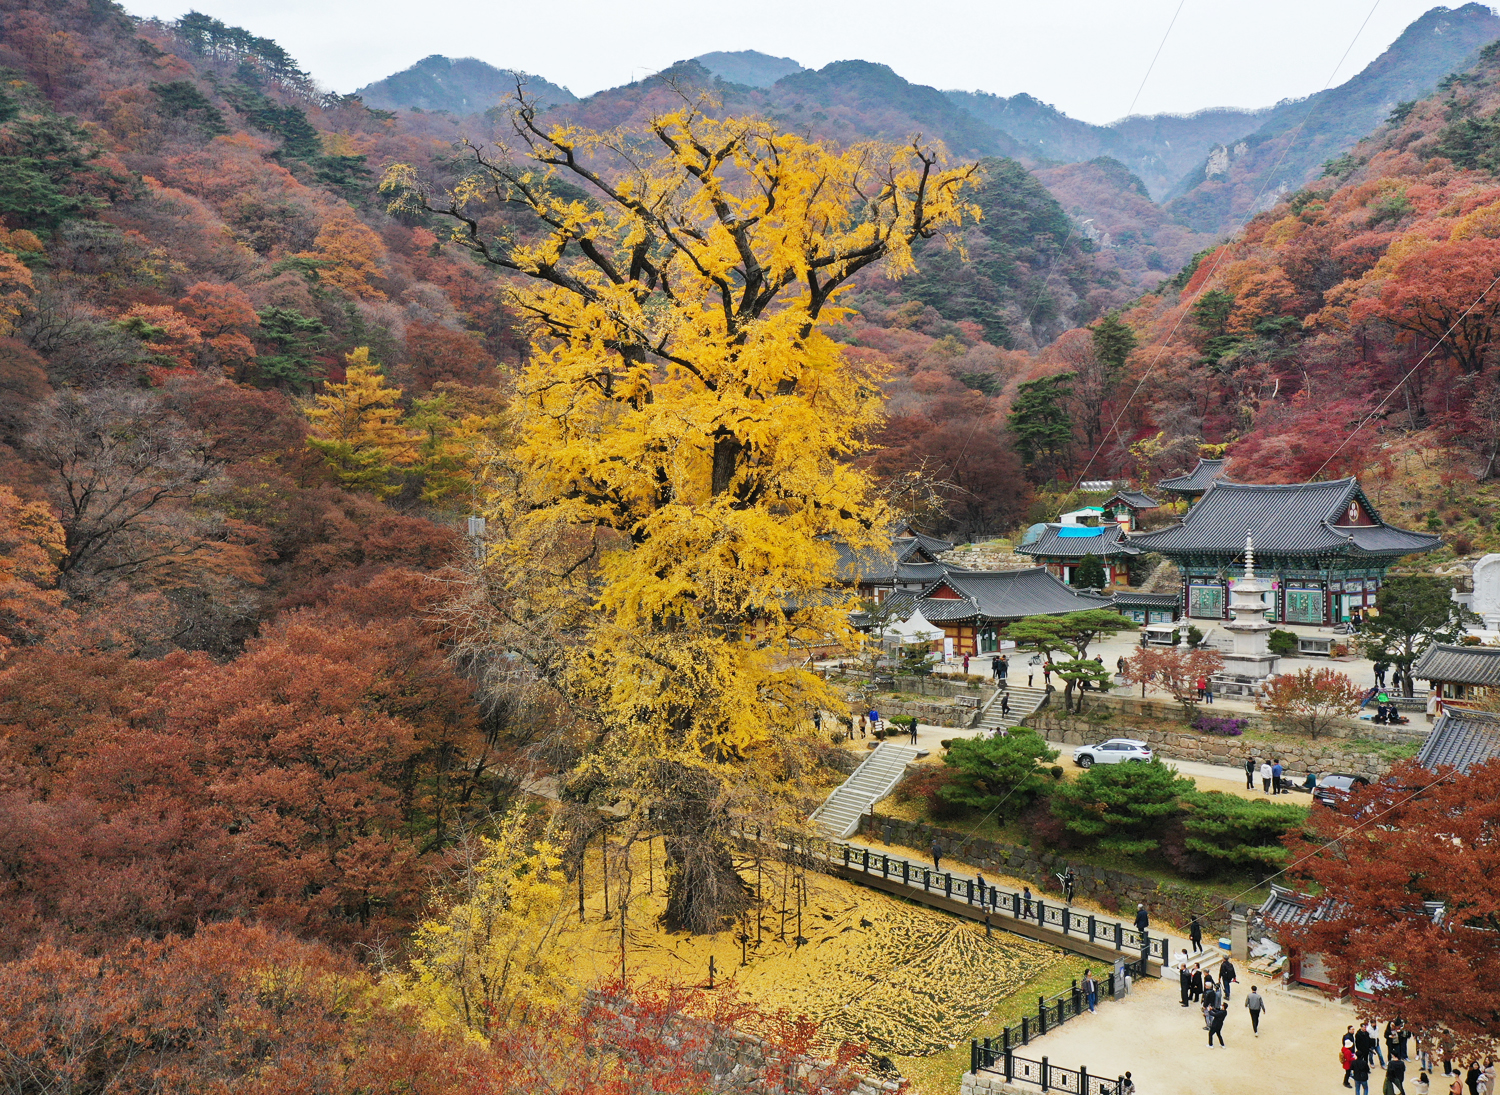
(875, 778)
(1023, 701)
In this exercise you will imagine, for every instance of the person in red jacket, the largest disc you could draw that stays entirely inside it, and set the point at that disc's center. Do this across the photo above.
(1346, 1058)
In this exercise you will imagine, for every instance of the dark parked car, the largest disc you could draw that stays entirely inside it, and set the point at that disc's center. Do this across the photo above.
(1334, 786)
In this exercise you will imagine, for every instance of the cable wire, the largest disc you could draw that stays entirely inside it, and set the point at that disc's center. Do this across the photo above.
(1222, 248)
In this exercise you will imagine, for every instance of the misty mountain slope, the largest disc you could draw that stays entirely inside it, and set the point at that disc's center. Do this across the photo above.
(1280, 158)
(463, 86)
(1159, 148)
(748, 67)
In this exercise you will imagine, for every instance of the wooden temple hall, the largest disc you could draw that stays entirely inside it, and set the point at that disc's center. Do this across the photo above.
(1322, 545)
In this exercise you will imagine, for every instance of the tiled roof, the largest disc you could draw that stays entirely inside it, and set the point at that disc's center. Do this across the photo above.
(884, 564)
(1285, 908)
(1133, 498)
(1198, 480)
(1283, 518)
(1005, 595)
(1462, 739)
(1076, 541)
(1154, 600)
(1460, 664)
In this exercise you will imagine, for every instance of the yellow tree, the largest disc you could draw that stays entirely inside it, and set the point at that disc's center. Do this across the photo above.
(357, 427)
(684, 401)
(491, 953)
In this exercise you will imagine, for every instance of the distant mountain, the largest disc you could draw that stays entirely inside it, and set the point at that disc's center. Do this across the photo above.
(1159, 149)
(846, 101)
(748, 67)
(462, 86)
(1277, 158)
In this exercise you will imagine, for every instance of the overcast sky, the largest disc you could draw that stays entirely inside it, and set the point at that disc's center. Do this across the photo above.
(1086, 57)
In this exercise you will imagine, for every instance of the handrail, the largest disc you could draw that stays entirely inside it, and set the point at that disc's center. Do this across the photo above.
(989, 900)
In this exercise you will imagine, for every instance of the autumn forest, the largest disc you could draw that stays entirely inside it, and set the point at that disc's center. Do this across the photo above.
(403, 512)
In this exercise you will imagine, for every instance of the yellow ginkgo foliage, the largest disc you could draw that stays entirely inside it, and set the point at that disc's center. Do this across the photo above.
(492, 953)
(357, 427)
(684, 398)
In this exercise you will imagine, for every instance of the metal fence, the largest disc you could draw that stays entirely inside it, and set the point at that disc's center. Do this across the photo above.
(1061, 918)
(1043, 1073)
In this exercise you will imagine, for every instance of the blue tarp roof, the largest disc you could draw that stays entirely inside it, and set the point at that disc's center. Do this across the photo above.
(1078, 532)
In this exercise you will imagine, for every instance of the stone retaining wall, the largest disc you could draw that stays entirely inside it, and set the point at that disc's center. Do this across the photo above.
(947, 715)
(1173, 742)
(1167, 711)
(1115, 890)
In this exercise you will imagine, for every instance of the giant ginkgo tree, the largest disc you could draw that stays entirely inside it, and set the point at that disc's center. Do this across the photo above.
(685, 408)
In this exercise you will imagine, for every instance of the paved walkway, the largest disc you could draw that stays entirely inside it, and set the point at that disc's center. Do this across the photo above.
(1165, 1047)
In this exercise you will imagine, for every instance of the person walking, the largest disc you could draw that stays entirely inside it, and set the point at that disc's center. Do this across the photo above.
(1185, 980)
(995, 667)
(1195, 933)
(1047, 675)
(966, 665)
(1395, 1077)
(1026, 899)
(937, 855)
(1360, 1073)
(979, 881)
(1276, 771)
(1256, 1006)
(1142, 918)
(1004, 671)
(1004, 704)
(1249, 773)
(1227, 977)
(913, 729)
(1090, 989)
(1380, 670)
(1069, 880)
(1216, 1025)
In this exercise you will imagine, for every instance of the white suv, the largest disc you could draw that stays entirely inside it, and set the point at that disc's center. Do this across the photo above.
(1114, 751)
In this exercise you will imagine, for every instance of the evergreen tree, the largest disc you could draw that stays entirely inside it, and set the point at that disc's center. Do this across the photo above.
(999, 774)
(1415, 611)
(1090, 573)
(1123, 807)
(1041, 425)
(1113, 342)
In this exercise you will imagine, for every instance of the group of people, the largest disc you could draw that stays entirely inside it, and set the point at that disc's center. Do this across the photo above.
(1360, 1051)
(1272, 776)
(1386, 712)
(1212, 996)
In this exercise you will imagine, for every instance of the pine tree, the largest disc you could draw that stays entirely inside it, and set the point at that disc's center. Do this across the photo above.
(1041, 424)
(1090, 573)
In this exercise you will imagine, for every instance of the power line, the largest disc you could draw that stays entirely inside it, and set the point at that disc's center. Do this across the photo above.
(1042, 284)
(1409, 374)
(1221, 249)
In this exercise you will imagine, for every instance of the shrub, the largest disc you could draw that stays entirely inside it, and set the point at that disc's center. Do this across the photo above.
(998, 774)
(1044, 830)
(1238, 831)
(1056, 771)
(1340, 650)
(1226, 726)
(906, 722)
(879, 734)
(1121, 807)
(946, 743)
(1194, 636)
(925, 786)
(1282, 642)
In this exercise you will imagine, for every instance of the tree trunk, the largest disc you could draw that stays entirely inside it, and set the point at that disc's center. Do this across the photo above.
(704, 891)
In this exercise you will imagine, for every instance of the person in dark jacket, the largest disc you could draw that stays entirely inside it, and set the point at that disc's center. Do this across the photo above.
(1395, 1075)
(937, 855)
(1359, 1072)
(1185, 979)
(1195, 933)
(1142, 918)
(1227, 976)
(1197, 993)
(1216, 1019)
(1249, 773)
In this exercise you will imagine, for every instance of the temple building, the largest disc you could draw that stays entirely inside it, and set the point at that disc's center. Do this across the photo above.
(911, 561)
(1126, 506)
(1322, 546)
(1061, 548)
(1196, 482)
(972, 607)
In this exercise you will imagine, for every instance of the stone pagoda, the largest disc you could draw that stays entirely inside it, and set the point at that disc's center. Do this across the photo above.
(1251, 662)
